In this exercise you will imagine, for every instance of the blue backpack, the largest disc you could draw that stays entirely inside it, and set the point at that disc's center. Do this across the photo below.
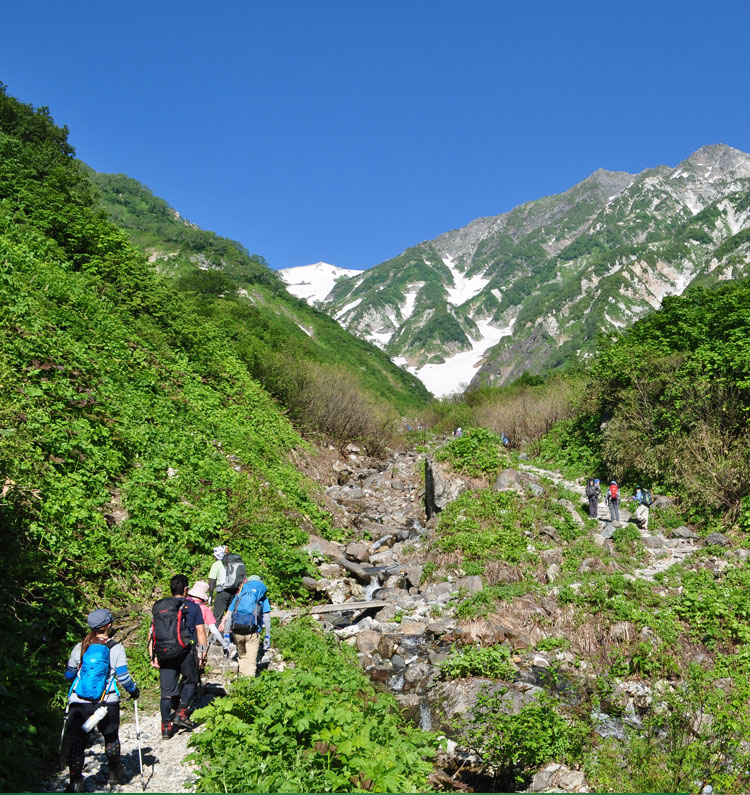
(247, 612)
(93, 675)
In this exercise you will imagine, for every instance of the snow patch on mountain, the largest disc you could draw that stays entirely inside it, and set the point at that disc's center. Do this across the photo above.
(410, 300)
(348, 308)
(463, 288)
(314, 282)
(457, 371)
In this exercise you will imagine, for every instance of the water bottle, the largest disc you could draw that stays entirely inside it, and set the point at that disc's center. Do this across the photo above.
(99, 713)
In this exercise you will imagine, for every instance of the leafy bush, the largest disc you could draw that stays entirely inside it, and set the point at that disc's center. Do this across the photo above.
(476, 453)
(318, 727)
(492, 662)
(518, 745)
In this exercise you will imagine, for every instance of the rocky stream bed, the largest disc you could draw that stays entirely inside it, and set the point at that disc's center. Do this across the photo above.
(403, 624)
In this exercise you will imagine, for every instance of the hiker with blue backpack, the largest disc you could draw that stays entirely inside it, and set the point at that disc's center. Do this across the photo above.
(643, 500)
(96, 666)
(248, 614)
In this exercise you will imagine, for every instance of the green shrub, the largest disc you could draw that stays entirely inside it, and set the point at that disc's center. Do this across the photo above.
(318, 727)
(478, 452)
(492, 662)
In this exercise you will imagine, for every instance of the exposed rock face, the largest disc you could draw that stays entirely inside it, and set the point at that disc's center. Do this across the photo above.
(442, 486)
(558, 778)
(509, 290)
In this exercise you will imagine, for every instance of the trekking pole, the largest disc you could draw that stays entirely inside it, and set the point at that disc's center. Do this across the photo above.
(64, 726)
(138, 737)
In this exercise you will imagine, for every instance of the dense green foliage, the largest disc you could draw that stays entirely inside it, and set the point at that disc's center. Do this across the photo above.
(285, 732)
(477, 452)
(134, 436)
(492, 662)
(277, 336)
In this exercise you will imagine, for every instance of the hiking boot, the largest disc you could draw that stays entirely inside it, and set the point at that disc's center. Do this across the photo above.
(181, 720)
(75, 785)
(167, 730)
(115, 773)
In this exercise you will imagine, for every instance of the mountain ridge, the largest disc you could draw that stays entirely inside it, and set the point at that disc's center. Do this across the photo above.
(538, 283)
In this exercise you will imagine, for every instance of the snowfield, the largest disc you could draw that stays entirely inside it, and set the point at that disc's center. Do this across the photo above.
(313, 282)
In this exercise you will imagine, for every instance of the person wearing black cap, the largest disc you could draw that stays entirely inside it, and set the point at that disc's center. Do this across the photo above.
(96, 666)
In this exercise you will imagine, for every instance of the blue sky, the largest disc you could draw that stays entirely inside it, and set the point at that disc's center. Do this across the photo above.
(348, 131)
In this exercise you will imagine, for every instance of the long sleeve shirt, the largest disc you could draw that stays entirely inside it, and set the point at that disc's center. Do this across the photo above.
(118, 674)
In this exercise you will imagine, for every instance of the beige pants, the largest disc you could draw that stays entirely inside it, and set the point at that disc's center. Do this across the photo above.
(247, 652)
(641, 514)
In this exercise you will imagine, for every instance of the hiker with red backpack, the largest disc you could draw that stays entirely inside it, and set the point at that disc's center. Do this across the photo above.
(248, 614)
(96, 666)
(613, 500)
(176, 641)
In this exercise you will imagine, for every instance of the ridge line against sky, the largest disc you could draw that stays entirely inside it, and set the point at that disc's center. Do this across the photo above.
(345, 132)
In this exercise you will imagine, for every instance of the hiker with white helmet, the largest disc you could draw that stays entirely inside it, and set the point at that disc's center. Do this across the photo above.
(96, 666)
(249, 612)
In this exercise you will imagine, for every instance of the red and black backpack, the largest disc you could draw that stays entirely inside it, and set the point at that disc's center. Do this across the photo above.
(169, 628)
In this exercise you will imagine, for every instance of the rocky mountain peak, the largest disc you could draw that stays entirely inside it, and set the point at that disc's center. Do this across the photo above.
(721, 158)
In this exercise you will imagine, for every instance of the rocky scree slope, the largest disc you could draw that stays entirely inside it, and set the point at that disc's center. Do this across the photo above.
(418, 619)
(531, 289)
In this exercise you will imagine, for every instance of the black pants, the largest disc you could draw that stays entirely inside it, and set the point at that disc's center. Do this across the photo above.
(223, 598)
(109, 726)
(177, 677)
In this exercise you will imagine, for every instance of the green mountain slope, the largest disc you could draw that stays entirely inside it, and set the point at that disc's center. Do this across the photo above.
(133, 436)
(273, 326)
(549, 276)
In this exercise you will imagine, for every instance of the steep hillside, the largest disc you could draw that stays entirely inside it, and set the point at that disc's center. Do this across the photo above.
(133, 436)
(532, 288)
(274, 326)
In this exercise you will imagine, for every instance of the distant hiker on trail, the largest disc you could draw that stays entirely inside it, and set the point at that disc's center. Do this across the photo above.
(593, 490)
(613, 500)
(228, 575)
(506, 441)
(94, 667)
(643, 500)
(249, 612)
(176, 626)
(218, 573)
(199, 594)
(459, 431)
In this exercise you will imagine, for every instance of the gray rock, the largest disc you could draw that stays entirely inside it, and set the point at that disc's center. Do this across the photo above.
(571, 509)
(622, 631)
(357, 551)
(395, 581)
(550, 532)
(716, 539)
(684, 532)
(367, 641)
(387, 646)
(608, 530)
(654, 542)
(442, 486)
(417, 672)
(433, 591)
(396, 596)
(472, 584)
(397, 661)
(327, 548)
(599, 540)
(535, 488)
(550, 556)
(553, 572)
(509, 480)
(384, 558)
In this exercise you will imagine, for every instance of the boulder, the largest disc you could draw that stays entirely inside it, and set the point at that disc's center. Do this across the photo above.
(716, 539)
(442, 486)
(437, 590)
(330, 571)
(384, 558)
(395, 581)
(558, 778)
(387, 646)
(396, 596)
(571, 509)
(368, 641)
(416, 672)
(471, 584)
(329, 549)
(357, 551)
(684, 532)
(535, 488)
(509, 480)
(550, 532)
(608, 530)
(550, 556)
